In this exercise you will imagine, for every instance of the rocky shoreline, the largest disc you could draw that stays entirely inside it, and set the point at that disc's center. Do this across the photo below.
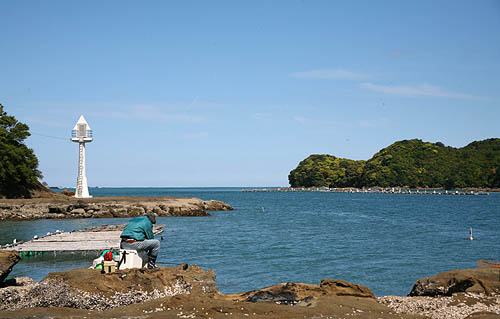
(188, 291)
(460, 305)
(62, 207)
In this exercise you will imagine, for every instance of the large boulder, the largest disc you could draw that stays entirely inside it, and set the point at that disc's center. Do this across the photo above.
(8, 258)
(480, 280)
(296, 293)
(344, 288)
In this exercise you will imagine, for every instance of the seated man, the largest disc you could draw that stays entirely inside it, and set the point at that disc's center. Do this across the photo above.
(138, 235)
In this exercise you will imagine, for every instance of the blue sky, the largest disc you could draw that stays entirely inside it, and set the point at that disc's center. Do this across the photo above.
(233, 93)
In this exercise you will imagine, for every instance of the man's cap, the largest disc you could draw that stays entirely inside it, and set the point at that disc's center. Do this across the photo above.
(151, 217)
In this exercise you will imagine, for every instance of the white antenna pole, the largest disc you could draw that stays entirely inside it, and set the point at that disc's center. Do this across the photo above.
(81, 134)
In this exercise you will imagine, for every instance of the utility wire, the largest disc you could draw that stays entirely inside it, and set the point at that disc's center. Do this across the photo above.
(56, 137)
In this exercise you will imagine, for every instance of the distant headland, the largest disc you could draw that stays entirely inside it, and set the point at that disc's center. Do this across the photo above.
(409, 163)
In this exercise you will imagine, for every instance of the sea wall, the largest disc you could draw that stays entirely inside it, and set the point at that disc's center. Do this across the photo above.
(106, 207)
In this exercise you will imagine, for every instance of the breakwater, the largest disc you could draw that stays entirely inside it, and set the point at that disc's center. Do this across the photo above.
(63, 207)
(391, 190)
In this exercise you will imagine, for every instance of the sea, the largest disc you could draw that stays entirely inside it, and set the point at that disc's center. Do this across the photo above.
(383, 241)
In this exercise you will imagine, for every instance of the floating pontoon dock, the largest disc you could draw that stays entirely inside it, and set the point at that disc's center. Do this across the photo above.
(92, 239)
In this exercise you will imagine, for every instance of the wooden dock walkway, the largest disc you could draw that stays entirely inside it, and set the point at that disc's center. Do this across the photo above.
(92, 239)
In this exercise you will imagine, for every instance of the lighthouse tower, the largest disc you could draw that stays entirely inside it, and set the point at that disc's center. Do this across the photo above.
(81, 134)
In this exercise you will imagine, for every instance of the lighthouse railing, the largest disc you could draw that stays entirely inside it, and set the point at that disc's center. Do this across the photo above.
(74, 134)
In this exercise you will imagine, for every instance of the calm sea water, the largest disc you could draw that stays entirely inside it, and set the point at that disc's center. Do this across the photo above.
(383, 241)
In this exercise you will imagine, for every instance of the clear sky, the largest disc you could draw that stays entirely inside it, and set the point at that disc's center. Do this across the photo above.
(235, 93)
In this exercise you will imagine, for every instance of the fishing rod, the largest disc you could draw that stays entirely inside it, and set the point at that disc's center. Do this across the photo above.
(171, 264)
(184, 265)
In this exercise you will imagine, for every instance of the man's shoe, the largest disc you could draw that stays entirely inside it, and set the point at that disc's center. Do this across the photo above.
(152, 266)
(152, 263)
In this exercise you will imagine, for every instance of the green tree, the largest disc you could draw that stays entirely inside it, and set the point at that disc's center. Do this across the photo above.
(18, 164)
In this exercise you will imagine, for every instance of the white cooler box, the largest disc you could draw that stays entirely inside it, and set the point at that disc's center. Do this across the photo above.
(131, 259)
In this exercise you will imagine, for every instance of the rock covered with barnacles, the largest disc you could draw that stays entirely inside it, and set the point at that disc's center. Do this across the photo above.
(14, 291)
(91, 289)
(457, 306)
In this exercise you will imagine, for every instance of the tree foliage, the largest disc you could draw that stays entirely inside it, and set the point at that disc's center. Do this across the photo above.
(412, 163)
(326, 170)
(18, 164)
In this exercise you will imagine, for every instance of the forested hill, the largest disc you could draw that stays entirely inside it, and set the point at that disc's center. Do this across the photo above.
(412, 163)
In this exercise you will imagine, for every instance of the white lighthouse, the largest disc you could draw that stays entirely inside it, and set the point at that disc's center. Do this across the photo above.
(81, 134)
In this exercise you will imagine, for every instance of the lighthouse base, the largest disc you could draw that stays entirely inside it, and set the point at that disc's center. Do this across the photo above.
(89, 196)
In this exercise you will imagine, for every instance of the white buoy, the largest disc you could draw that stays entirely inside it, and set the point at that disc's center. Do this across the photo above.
(470, 234)
(81, 134)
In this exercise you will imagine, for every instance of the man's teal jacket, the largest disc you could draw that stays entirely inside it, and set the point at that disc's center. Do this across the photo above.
(138, 228)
